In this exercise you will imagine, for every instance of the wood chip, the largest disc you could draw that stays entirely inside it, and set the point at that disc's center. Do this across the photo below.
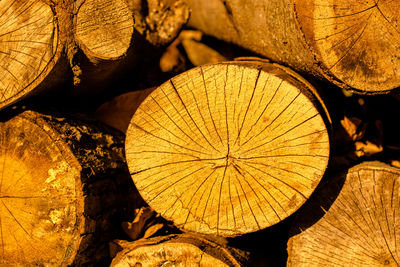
(135, 229)
(353, 127)
(367, 148)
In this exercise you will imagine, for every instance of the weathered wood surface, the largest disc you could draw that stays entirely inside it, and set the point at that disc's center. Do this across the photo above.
(352, 221)
(228, 148)
(352, 43)
(177, 250)
(64, 190)
(47, 43)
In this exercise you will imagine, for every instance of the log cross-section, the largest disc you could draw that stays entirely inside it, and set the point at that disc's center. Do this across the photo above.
(228, 148)
(29, 46)
(177, 250)
(352, 43)
(41, 205)
(359, 226)
(64, 189)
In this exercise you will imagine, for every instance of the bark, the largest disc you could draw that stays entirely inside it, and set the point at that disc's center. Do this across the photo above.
(177, 250)
(64, 191)
(228, 148)
(353, 220)
(84, 42)
(351, 43)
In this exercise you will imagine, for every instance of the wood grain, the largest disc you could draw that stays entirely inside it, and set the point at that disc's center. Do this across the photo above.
(228, 148)
(29, 47)
(359, 228)
(353, 44)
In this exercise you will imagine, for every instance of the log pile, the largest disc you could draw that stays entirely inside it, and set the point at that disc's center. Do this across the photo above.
(215, 156)
(40, 40)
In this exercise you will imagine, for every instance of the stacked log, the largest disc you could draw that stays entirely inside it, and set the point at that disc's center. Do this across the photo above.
(222, 150)
(39, 40)
(64, 190)
(352, 221)
(228, 148)
(353, 44)
(178, 250)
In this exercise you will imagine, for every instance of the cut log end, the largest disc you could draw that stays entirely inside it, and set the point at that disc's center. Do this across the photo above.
(176, 250)
(29, 47)
(357, 41)
(360, 228)
(40, 208)
(104, 28)
(227, 149)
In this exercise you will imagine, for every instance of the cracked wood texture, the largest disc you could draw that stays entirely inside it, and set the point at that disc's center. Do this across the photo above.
(228, 148)
(177, 250)
(104, 28)
(352, 221)
(353, 43)
(36, 36)
(56, 196)
(29, 47)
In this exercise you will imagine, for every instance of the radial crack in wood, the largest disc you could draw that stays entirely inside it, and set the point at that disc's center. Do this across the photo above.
(100, 30)
(353, 220)
(354, 43)
(29, 47)
(228, 148)
(357, 41)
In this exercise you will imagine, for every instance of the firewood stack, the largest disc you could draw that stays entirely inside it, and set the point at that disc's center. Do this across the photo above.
(154, 133)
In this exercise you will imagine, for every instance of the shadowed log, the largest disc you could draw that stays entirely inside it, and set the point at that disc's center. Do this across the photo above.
(359, 226)
(228, 148)
(64, 190)
(119, 111)
(352, 43)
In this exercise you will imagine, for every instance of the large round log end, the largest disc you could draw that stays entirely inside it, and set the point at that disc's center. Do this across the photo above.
(41, 204)
(228, 148)
(356, 41)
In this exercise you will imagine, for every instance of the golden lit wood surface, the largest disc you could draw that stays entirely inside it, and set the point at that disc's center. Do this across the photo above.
(104, 28)
(64, 190)
(40, 202)
(228, 148)
(38, 38)
(177, 250)
(29, 47)
(360, 228)
(352, 43)
(357, 41)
